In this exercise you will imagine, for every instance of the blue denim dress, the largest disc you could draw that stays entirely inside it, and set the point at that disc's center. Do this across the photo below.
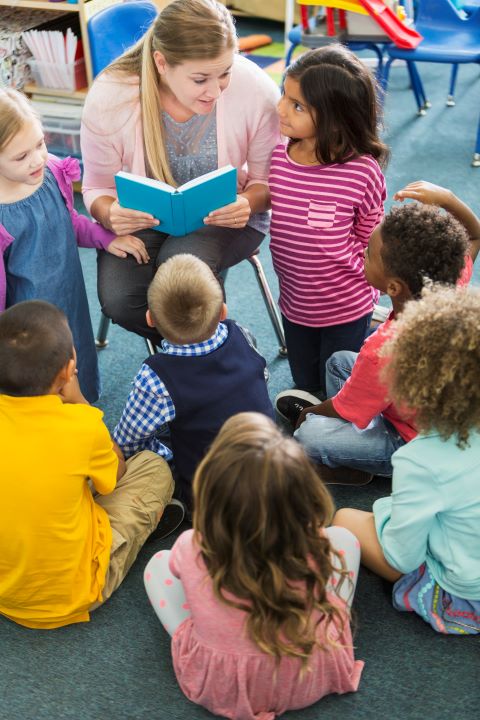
(43, 263)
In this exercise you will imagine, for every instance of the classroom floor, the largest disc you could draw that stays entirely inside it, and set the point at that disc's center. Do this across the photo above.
(118, 666)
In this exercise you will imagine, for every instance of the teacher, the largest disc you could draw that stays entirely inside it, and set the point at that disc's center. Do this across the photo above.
(178, 104)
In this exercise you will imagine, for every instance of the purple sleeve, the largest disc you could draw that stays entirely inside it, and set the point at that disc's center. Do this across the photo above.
(5, 240)
(88, 233)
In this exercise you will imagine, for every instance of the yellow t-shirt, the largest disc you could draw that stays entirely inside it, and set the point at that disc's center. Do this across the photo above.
(54, 540)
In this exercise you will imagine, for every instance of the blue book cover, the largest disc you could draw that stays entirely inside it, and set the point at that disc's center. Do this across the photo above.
(180, 210)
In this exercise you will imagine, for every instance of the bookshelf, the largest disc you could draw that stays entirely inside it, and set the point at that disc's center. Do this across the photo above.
(83, 9)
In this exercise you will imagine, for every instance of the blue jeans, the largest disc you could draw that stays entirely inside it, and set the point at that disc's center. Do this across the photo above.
(336, 442)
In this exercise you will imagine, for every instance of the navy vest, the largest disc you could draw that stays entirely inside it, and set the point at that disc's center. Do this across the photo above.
(206, 390)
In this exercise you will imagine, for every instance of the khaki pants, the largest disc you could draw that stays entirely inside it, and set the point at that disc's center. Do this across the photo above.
(134, 509)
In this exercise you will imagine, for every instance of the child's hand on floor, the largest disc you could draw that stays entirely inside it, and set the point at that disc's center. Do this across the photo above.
(129, 245)
(424, 192)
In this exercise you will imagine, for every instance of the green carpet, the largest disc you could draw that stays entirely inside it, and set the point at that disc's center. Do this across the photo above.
(118, 666)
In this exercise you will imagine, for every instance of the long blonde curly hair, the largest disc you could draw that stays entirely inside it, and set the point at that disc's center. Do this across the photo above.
(184, 30)
(434, 361)
(260, 508)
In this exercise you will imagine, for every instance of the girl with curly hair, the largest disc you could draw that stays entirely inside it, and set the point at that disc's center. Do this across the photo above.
(425, 537)
(257, 596)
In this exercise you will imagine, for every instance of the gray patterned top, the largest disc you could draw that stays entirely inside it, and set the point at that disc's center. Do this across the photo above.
(192, 151)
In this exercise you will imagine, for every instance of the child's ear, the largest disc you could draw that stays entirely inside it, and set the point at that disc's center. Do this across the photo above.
(64, 375)
(397, 288)
(149, 319)
(223, 312)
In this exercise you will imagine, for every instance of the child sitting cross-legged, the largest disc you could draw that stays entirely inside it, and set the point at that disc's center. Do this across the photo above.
(257, 596)
(63, 548)
(353, 434)
(425, 537)
(206, 372)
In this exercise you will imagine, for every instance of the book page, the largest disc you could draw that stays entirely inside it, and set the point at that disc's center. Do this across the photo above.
(205, 178)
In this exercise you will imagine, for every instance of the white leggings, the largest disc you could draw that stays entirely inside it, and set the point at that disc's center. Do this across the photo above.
(167, 596)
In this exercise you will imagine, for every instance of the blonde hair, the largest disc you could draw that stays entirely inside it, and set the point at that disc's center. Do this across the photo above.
(259, 510)
(15, 112)
(185, 300)
(184, 30)
(434, 361)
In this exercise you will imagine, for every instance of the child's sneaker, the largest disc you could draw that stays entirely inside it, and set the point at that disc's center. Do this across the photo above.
(290, 403)
(343, 475)
(172, 517)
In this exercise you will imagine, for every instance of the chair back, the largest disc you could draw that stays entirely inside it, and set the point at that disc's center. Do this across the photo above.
(114, 29)
(443, 16)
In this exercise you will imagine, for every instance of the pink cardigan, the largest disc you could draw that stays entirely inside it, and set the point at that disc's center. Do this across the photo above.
(112, 137)
(89, 234)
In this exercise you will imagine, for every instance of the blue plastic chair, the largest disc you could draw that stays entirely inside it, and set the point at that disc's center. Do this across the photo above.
(114, 29)
(450, 36)
(297, 36)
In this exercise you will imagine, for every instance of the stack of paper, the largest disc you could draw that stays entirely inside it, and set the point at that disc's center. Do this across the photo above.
(54, 57)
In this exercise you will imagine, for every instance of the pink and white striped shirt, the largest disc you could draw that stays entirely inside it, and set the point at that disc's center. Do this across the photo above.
(322, 219)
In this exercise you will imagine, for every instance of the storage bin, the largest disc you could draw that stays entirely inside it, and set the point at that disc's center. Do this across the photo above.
(61, 125)
(71, 76)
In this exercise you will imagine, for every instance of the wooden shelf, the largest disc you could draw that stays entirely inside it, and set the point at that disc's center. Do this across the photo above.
(31, 88)
(42, 5)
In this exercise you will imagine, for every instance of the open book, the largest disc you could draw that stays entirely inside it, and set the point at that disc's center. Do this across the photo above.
(180, 210)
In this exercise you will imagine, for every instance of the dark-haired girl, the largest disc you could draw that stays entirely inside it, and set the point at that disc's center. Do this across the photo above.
(327, 193)
(257, 596)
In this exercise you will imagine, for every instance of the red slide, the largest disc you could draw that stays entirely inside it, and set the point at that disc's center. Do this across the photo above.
(403, 36)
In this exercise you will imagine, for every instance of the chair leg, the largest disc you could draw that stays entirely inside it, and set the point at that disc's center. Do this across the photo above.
(417, 87)
(453, 82)
(152, 349)
(270, 304)
(288, 58)
(384, 79)
(476, 157)
(102, 332)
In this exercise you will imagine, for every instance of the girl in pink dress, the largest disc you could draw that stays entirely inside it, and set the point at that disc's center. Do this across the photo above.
(257, 596)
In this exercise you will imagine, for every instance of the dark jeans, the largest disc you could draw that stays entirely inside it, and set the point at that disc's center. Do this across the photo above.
(122, 283)
(309, 349)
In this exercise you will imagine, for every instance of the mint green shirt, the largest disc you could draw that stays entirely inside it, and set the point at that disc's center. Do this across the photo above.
(433, 513)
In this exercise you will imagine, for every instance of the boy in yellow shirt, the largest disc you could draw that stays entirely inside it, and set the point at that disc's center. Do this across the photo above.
(63, 549)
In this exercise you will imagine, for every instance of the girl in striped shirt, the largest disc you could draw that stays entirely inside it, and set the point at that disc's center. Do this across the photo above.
(327, 191)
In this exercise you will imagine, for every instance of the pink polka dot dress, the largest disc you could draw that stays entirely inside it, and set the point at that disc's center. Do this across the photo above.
(220, 668)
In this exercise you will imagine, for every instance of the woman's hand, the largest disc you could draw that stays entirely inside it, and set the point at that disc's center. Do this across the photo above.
(124, 221)
(129, 245)
(235, 215)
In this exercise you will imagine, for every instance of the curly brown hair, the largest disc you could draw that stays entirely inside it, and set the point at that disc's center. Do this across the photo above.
(259, 511)
(422, 242)
(434, 361)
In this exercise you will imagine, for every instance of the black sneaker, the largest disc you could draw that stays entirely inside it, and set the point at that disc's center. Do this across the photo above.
(343, 475)
(290, 403)
(172, 517)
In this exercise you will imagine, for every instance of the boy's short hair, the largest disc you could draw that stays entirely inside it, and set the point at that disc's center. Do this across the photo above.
(421, 242)
(35, 344)
(185, 300)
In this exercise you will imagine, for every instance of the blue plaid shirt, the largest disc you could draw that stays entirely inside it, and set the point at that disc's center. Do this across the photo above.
(149, 406)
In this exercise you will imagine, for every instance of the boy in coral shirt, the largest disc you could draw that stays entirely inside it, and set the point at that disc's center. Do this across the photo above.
(353, 434)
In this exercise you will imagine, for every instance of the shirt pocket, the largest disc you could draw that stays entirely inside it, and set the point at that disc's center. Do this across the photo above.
(321, 215)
